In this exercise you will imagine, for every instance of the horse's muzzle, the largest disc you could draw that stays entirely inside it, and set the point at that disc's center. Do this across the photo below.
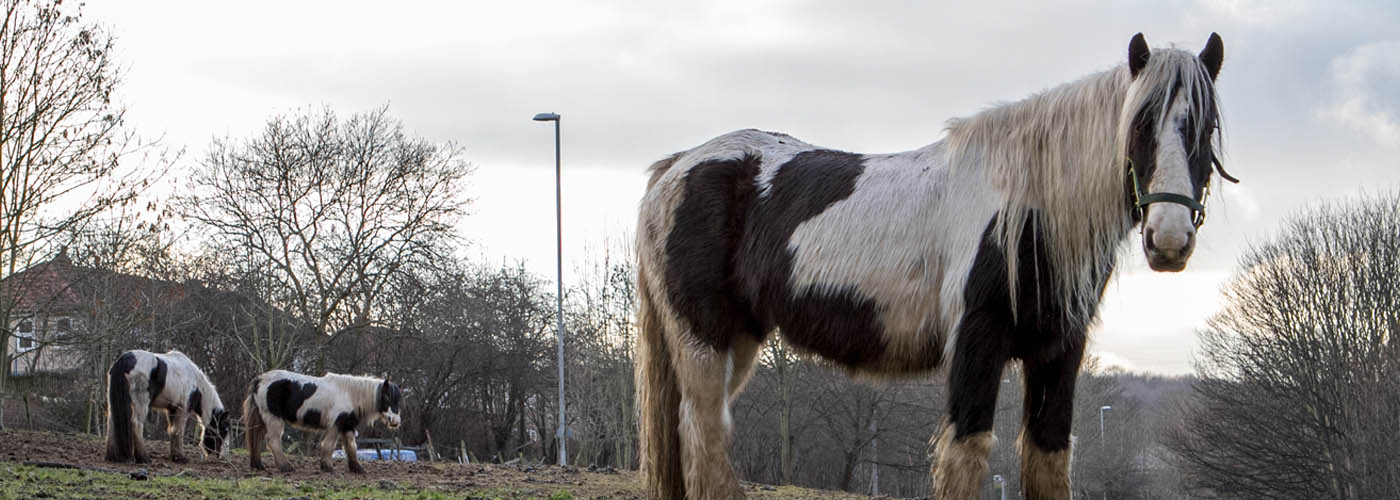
(1168, 251)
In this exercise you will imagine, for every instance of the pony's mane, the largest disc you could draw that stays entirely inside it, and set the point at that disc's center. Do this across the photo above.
(1060, 153)
(362, 389)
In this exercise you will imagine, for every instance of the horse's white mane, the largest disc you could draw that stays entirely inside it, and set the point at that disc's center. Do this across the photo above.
(362, 389)
(1061, 152)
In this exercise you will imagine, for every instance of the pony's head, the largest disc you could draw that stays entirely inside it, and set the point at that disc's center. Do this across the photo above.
(390, 399)
(216, 432)
(1169, 129)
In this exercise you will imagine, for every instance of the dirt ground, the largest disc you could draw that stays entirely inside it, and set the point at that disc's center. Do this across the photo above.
(510, 481)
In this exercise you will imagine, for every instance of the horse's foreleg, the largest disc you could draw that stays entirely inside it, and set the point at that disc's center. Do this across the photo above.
(199, 430)
(327, 446)
(274, 444)
(1044, 443)
(701, 373)
(352, 457)
(176, 430)
(965, 438)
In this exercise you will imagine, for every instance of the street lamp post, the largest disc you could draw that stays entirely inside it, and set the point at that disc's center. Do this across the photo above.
(1103, 446)
(559, 296)
(1101, 410)
(1001, 484)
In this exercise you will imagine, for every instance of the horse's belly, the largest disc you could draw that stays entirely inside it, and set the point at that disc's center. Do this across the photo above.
(860, 333)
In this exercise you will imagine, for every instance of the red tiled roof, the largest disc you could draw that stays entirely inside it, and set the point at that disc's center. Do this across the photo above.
(58, 286)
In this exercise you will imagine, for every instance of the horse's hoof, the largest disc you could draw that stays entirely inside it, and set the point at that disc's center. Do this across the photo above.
(257, 466)
(355, 468)
(286, 468)
(327, 468)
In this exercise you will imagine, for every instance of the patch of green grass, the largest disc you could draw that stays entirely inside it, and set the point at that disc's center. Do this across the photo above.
(23, 481)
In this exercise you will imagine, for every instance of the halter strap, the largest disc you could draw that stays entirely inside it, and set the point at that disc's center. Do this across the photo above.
(1142, 200)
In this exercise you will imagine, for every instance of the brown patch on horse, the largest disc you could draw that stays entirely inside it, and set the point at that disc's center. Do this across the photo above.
(1045, 475)
(959, 464)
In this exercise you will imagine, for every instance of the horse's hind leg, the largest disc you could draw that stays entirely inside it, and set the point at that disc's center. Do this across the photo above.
(352, 457)
(743, 353)
(704, 421)
(1044, 443)
(327, 446)
(140, 408)
(176, 430)
(274, 443)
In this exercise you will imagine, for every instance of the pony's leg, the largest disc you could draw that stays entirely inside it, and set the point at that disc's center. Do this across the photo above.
(704, 421)
(275, 426)
(743, 353)
(199, 439)
(327, 446)
(352, 457)
(1044, 443)
(175, 427)
(140, 408)
(965, 438)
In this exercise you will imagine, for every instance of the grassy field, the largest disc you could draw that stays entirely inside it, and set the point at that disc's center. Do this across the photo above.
(70, 466)
(25, 481)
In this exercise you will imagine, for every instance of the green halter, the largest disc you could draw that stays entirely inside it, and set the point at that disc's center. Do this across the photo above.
(1141, 200)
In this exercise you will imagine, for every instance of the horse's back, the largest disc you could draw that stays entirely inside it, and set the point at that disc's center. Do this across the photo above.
(754, 230)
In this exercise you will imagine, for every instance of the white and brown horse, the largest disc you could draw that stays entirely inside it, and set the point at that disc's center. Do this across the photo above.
(140, 381)
(334, 405)
(991, 245)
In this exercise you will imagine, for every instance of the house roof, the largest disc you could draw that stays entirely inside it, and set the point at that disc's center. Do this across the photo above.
(57, 286)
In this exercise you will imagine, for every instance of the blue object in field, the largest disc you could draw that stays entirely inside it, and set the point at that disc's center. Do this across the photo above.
(372, 455)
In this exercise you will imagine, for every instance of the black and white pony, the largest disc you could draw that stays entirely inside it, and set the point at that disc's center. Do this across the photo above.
(140, 381)
(333, 404)
(991, 245)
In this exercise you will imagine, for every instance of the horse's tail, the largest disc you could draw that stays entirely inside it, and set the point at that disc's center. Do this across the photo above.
(659, 398)
(253, 426)
(119, 431)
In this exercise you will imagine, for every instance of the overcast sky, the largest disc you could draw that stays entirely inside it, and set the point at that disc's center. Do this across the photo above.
(1310, 93)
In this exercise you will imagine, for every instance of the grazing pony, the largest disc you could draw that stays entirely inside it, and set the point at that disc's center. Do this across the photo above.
(333, 404)
(991, 245)
(140, 381)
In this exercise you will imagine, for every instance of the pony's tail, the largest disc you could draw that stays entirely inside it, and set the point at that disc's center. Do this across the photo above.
(659, 398)
(254, 429)
(119, 441)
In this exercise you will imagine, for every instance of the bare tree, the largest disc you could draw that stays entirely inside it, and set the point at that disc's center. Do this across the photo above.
(62, 141)
(330, 210)
(1300, 373)
(601, 329)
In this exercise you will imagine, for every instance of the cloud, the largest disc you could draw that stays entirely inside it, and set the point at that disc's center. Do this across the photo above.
(1364, 91)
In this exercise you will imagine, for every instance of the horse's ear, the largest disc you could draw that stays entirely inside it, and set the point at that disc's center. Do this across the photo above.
(1137, 54)
(1213, 55)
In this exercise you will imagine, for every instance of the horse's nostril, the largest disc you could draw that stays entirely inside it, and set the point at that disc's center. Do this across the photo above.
(1151, 243)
